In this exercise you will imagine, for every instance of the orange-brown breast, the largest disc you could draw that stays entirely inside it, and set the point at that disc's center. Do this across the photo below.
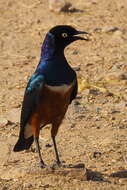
(53, 104)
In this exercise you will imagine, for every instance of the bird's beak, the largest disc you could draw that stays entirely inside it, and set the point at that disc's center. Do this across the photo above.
(79, 37)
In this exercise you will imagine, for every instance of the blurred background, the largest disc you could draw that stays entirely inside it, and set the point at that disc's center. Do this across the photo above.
(95, 127)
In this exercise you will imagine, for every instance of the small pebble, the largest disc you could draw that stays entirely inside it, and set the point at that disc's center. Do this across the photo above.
(123, 76)
(27, 185)
(76, 102)
(97, 154)
(58, 5)
(48, 145)
(108, 29)
(3, 122)
(115, 111)
(75, 52)
(94, 91)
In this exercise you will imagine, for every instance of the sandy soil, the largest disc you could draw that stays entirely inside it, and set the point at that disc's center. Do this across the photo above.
(94, 130)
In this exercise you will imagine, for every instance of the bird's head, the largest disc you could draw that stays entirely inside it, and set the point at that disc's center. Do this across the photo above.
(58, 38)
(65, 34)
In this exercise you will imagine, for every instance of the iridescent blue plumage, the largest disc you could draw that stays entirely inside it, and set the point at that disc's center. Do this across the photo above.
(53, 64)
(35, 82)
(48, 47)
(50, 90)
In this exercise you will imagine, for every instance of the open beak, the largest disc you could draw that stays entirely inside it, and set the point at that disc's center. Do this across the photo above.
(75, 37)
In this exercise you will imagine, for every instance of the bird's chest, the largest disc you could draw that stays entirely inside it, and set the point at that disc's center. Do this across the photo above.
(53, 96)
(56, 75)
(60, 91)
(54, 102)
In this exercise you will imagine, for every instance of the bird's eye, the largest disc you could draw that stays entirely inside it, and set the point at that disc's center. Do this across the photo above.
(64, 35)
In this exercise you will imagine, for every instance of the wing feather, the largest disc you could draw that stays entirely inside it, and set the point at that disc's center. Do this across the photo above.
(30, 101)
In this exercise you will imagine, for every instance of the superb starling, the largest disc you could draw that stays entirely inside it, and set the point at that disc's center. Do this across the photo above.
(50, 90)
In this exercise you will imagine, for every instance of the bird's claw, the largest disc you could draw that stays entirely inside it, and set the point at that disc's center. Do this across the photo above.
(42, 165)
(56, 164)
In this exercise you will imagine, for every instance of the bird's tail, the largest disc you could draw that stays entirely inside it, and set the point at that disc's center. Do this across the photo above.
(23, 144)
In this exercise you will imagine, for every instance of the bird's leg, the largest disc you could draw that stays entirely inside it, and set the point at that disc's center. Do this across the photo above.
(53, 135)
(56, 152)
(36, 140)
(35, 123)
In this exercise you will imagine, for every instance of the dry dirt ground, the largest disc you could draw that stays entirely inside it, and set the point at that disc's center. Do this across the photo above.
(94, 131)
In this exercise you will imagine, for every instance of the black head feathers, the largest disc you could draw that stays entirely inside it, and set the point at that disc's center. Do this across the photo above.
(65, 34)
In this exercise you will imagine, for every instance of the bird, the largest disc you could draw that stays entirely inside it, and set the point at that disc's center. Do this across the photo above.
(49, 91)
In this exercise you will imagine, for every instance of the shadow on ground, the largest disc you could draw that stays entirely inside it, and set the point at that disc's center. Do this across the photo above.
(120, 174)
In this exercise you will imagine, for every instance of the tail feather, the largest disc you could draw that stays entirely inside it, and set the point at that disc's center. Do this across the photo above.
(23, 144)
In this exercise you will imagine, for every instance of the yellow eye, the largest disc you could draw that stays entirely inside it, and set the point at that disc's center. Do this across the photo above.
(64, 35)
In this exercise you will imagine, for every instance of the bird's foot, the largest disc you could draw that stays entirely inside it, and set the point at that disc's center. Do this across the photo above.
(57, 164)
(42, 165)
(33, 149)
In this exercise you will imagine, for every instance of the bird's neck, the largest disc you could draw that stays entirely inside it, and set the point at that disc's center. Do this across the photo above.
(51, 55)
(50, 50)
